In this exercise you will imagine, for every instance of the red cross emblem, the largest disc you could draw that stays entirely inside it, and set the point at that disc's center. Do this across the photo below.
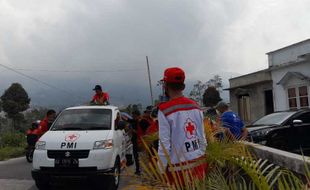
(190, 129)
(72, 137)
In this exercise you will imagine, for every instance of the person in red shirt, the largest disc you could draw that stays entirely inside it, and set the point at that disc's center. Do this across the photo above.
(100, 98)
(33, 133)
(135, 139)
(150, 124)
(47, 121)
(146, 119)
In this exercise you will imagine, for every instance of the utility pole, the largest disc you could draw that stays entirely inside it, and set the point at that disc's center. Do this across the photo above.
(150, 82)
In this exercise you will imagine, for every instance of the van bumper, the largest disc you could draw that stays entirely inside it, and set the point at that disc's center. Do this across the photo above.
(51, 174)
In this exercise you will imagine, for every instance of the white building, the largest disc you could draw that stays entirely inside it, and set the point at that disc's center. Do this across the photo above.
(284, 85)
(290, 72)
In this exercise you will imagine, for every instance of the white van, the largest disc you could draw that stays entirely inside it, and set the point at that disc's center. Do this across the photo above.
(86, 142)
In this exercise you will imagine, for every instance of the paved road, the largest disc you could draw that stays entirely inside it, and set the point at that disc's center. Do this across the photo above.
(15, 174)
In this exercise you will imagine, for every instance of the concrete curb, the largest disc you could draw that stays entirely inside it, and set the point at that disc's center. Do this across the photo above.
(12, 160)
(291, 161)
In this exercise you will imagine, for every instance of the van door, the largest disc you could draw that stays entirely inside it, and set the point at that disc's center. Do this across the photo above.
(120, 140)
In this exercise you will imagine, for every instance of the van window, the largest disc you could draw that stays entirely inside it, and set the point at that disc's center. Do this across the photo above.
(83, 119)
(117, 120)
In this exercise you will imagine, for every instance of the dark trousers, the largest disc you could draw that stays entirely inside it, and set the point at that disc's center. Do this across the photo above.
(136, 155)
(32, 139)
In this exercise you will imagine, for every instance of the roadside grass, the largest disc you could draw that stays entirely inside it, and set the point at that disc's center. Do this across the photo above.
(12, 145)
(11, 152)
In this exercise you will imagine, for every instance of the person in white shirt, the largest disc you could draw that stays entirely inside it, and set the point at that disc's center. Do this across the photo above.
(181, 130)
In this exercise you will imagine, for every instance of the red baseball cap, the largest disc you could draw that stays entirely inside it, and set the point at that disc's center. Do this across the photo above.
(174, 75)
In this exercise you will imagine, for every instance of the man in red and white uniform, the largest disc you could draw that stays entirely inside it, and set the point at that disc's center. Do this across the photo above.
(181, 127)
(100, 98)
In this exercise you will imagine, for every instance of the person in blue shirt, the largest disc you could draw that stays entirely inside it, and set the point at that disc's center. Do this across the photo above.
(233, 124)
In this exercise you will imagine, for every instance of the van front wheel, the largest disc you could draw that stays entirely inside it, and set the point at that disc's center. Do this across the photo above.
(115, 178)
(112, 179)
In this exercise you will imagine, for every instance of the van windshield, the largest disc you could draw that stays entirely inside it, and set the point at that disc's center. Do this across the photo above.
(83, 119)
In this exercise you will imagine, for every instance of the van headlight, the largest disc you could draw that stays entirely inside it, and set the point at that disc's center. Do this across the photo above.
(40, 145)
(104, 144)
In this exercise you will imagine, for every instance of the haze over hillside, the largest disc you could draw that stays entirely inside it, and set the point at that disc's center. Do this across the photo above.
(79, 91)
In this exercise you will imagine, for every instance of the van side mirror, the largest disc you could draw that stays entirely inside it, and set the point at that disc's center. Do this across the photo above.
(297, 122)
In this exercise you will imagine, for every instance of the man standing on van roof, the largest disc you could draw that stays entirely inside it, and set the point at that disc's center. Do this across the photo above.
(181, 130)
(100, 98)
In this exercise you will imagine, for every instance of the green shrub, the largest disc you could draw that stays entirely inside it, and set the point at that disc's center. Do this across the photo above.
(12, 140)
(11, 152)
(231, 167)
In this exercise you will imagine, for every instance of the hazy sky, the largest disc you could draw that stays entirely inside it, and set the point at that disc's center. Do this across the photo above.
(204, 37)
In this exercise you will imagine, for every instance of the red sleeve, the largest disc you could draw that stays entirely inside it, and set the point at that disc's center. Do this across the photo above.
(43, 127)
(95, 97)
(106, 96)
(153, 128)
(37, 132)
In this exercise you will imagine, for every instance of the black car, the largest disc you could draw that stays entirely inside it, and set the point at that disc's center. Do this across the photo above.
(287, 130)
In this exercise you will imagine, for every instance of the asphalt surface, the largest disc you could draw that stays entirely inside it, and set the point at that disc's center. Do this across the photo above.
(15, 174)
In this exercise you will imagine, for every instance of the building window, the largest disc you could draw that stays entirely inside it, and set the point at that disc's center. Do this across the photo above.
(298, 97)
(303, 97)
(292, 99)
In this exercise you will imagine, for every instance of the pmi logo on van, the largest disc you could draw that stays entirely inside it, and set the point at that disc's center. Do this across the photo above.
(70, 141)
(72, 137)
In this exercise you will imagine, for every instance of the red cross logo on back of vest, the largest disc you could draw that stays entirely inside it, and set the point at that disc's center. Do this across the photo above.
(190, 129)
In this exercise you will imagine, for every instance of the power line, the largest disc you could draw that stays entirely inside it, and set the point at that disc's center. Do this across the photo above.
(81, 71)
(35, 79)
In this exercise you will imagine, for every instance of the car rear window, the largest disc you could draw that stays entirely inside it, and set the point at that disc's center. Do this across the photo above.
(83, 119)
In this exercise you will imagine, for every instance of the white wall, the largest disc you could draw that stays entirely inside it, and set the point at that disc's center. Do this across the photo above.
(289, 54)
(280, 94)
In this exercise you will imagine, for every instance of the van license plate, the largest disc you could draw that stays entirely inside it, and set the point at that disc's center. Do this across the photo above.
(67, 163)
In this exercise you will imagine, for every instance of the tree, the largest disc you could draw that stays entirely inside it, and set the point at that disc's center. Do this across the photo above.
(211, 97)
(14, 101)
(217, 82)
(197, 92)
(33, 115)
(132, 107)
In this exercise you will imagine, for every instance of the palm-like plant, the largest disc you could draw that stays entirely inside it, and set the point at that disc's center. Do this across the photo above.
(232, 166)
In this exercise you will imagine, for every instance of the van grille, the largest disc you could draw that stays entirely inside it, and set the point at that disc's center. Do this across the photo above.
(67, 153)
